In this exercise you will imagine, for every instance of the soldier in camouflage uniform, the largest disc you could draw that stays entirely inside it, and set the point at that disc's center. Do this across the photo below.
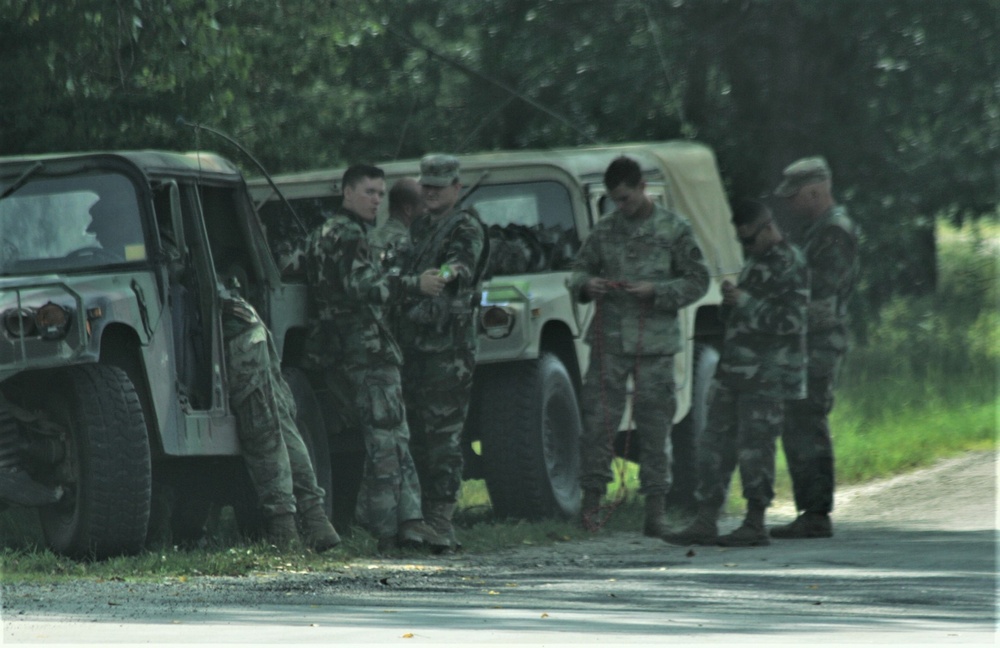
(276, 457)
(271, 444)
(642, 264)
(763, 364)
(830, 244)
(439, 337)
(390, 241)
(349, 339)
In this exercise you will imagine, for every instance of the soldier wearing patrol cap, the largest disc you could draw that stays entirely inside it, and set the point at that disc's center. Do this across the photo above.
(438, 337)
(830, 244)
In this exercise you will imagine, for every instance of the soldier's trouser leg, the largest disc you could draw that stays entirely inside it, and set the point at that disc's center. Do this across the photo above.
(603, 403)
(717, 453)
(437, 389)
(653, 407)
(760, 423)
(252, 399)
(390, 489)
(308, 492)
(806, 437)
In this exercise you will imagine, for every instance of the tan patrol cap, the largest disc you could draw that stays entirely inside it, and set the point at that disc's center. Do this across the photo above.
(801, 173)
(438, 170)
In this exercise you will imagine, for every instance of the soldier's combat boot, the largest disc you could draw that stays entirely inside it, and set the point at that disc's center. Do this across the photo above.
(281, 531)
(414, 534)
(703, 530)
(438, 515)
(318, 534)
(589, 509)
(656, 516)
(807, 525)
(749, 534)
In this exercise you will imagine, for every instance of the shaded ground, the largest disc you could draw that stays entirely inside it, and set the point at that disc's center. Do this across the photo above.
(913, 561)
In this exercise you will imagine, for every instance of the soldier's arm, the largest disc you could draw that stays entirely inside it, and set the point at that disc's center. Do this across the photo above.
(690, 272)
(781, 310)
(831, 262)
(586, 266)
(465, 246)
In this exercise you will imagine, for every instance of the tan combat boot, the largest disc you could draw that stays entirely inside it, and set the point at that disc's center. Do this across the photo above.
(589, 509)
(414, 534)
(281, 531)
(438, 515)
(749, 534)
(704, 530)
(318, 534)
(656, 516)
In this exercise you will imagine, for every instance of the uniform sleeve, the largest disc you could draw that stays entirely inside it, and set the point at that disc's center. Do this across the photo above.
(344, 264)
(831, 263)
(690, 274)
(781, 309)
(586, 265)
(465, 245)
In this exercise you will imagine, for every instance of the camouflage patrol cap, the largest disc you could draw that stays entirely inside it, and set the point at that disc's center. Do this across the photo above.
(438, 170)
(801, 173)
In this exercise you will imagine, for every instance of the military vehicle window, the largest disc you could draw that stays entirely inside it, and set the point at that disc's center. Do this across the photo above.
(284, 235)
(531, 226)
(85, 220)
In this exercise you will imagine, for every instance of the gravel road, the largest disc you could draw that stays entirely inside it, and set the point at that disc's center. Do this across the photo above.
(913, 561)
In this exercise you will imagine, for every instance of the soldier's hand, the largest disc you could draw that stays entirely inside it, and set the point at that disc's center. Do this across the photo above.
(730, 293)
(640, 289)
(596, 286)
(432, 283)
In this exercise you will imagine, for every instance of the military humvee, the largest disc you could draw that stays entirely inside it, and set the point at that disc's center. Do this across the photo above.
(523, 428)
(112, 380)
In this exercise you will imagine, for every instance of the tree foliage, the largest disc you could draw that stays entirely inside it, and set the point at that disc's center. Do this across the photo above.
(902, 96)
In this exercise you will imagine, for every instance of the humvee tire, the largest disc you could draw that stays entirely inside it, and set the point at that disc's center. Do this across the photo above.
(530, 425)
(105, 510)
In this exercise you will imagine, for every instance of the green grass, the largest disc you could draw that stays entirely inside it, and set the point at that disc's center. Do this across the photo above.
(924, 386)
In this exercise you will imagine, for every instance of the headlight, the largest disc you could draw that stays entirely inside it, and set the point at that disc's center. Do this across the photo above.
(52, 321)
(497, 321)
(20, 322)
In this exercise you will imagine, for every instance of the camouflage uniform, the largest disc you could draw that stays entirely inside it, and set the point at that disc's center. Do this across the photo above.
(438, 337)
(348, 339)
(637, 338)
(763, 364)
(390, 244)
(279, 464)
(830, 246)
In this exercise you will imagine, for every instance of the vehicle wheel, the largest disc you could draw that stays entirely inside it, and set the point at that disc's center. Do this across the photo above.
(309, 420)
(529, 422)
(685, 434)
(107, 473)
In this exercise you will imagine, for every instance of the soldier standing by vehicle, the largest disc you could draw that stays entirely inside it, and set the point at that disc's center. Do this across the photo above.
(763, 364)
(348, 338)
(830, 244)
(271, 443)
(390, 241)
(275, 454)
(642, 264)
(439, 337)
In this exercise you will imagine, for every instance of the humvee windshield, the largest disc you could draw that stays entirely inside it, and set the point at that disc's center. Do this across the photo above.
(79, 221)
(531, 226)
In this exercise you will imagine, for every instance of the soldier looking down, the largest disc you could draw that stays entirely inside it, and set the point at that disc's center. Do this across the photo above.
(762, 365)
(830, 244)
(641, 264)
(438, 337)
